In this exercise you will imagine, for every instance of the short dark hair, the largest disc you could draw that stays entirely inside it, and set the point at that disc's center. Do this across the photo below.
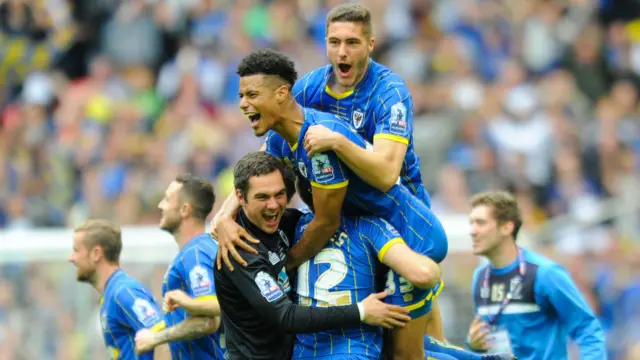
(504, 208)
(304, 191)
(103, 233)
(255, 164)
(199, 193)
(351, 12)
(268, 62)
(290, 183)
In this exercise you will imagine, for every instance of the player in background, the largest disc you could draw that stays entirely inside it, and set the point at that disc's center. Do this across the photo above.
(524, 302)
(188, 286)
(345, 270)
(126, 305)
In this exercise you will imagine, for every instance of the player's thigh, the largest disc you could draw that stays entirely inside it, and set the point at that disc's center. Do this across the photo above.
(434, 326)
(407, 343)
(430, 355)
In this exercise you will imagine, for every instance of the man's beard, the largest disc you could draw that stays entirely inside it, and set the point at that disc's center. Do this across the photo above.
(171, 226)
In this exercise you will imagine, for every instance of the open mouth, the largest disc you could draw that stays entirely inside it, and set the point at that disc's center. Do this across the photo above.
(254, 118)
(271, 219)
(344, 69)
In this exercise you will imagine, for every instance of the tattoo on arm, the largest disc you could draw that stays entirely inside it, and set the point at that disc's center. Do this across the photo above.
(190, 329)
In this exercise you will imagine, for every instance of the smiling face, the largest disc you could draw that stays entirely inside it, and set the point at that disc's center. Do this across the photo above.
(265, 201)
(486, 233)
(348, 48)
(261, 97)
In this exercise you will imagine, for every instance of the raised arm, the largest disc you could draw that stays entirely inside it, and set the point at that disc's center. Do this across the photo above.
(329, 180)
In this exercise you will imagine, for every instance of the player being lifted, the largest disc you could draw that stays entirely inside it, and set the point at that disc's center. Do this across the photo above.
(126, 305)
(266, 98)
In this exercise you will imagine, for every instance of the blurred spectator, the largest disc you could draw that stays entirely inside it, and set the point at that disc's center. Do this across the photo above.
(103, 102)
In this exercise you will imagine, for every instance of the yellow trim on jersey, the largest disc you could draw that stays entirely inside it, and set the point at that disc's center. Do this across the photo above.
(101, 300)
(386, 247)
(159, 326)
(330, 186)
(439, 289)
(335, 95)
(294, 147)
(395, 138)
(206, 298)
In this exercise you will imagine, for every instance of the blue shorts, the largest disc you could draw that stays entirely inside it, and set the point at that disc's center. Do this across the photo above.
(403, 293)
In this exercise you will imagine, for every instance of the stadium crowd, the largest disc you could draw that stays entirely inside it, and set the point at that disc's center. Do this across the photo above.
(103, 102)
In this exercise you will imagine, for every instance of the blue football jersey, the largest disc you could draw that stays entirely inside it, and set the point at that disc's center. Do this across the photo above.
(417, 224)
(126, 307)
(343, 273)
(379, 107)
(192, 272)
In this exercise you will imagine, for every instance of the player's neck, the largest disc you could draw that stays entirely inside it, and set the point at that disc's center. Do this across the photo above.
(186, 232)
(290, 123)
(103, 275)
(504, 255)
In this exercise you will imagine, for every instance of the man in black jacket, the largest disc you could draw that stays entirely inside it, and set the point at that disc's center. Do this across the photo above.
(258, 317)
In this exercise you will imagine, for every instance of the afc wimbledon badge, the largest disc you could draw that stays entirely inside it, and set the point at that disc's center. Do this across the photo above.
(358, 119)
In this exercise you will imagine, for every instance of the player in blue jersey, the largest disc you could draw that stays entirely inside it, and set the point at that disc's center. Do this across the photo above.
(266, 99)
(344, 271)
(368, 96)
(523, 301)
(126, 305)
(188, 286)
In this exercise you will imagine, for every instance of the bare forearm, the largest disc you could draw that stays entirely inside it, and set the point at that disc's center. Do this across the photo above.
(370, 166)
(231, 205)
(314, 239)
(190, 329)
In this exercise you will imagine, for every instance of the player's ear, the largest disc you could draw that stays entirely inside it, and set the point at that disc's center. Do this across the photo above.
(239, 196)
(186, 209)
(507, 228)
(371, 44)
(282, 92)
(96, 253)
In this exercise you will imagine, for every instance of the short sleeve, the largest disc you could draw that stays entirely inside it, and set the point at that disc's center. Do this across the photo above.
(274, 144)
(197, 264)
(379, 234)
(137, 309)
(327, 171)
(394, 115)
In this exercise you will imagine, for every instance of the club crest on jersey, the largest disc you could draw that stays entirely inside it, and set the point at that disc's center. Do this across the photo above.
(322, 169)
(358, 119)
(398, 119)
(145, 312)
(268, 287)
(200, 281)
